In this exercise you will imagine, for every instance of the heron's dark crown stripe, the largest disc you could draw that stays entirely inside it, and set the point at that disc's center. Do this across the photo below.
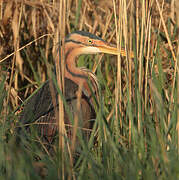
(83, 33)
(77, 42)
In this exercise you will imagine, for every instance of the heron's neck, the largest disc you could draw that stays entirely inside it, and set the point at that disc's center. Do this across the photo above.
(75, 74)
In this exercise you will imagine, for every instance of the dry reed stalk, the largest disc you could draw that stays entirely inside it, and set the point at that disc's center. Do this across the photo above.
(147, 41)
(177, 18)
(100, 57)
(127, 27)
(34, 23)
(137, 47)
(172, 14)
(17, 60)
(118, 89)
(123, 29)
(131, 29)
(147, 44)
(137, 27)
(60, 81)
(83, 17)
(147, 60)
(141, 47)
(60, 66)
(68, 15)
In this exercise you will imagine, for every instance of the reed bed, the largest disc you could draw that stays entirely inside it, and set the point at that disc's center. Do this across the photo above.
(136, 131)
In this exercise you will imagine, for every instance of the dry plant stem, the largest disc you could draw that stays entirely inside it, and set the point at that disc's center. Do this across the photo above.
(177, 17)
(55, 124)
(147, 29)
(141, 46)
(52, 90)
(107, 25)
(1, 9)
(130, 62)
(83, 17)
(177, 127)
(147, 62)
(117, 40)
(137, 27)
(124, 30)
(43, 146)
(33, 17)
(18, 60)
(141, 112)
(119, 86)
(16, 87)
(60, 75)
(10, 85)
(59, 64)
(49, 19)
(137, 45)
(172, 14)
(47, 47)
(96, 63)
(147, 44)
(118, 83)
(15, 28)
(75, 128)
(68, 15)
(148, 38)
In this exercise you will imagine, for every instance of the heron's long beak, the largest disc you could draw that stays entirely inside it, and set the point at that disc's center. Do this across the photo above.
(112, 50)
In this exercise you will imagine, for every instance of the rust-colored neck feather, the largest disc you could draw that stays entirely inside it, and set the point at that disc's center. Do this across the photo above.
(77, 75)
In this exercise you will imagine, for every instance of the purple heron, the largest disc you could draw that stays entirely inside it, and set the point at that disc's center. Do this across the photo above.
(40, 108)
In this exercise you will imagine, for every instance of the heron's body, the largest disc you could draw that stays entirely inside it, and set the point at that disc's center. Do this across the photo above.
(40, 109)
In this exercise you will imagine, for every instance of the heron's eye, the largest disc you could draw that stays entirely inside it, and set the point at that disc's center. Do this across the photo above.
(90, 41)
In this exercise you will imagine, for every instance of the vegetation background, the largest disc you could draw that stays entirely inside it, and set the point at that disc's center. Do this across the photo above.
(137, 123)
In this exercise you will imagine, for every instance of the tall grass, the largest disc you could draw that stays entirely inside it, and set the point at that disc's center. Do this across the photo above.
(135, 135)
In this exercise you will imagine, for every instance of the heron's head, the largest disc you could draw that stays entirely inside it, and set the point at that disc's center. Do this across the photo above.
(87, 43)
